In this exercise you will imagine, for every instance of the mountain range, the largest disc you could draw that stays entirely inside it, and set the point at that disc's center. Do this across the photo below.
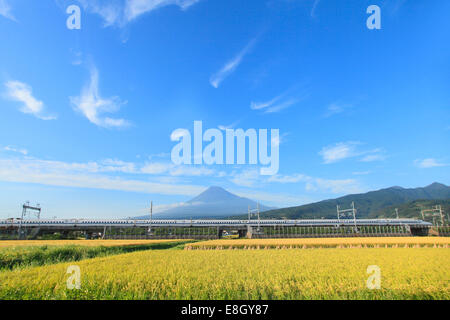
(373, 204)
(216, 202)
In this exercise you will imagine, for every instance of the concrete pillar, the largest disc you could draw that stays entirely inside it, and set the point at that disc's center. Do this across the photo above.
(249, 232)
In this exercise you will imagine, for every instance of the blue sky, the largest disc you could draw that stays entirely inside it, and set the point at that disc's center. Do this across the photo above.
(86, 115)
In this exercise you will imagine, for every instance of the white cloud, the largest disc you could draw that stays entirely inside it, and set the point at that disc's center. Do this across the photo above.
(339, 151)
(347, 186)
(231, 66)
(266, 104)
(135, 8)
(113, 174)
(162, 171)
(156, 168)
(114, 165)
(21, 92)
(56, 173)
(5, 10)
(230, 126)
(17, 150)
(345, 150)
(281, 106)
(250, 178)
(336, 186)
(120, 12)
(314, 8)
(288, 178)
(277, 199)
(159, 155)
(373, 157)
(285, 100)
(92, 105)
(167, 168)
(335, 108)
(191, 171)
(429, 163)
(77, 57)
(246, 178)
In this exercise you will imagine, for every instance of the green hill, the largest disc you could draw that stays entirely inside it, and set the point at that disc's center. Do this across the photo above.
(380, 203)
(411, 209)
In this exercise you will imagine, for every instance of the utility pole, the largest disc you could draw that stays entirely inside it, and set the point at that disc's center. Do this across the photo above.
(254, 212)
(435, 211)
(259, 220)
(396, 212)
(151, 217)
(347, 212)
(354, 213)
(26, 207)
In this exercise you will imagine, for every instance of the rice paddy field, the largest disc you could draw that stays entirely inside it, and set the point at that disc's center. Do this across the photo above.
(337, 272)
(305, 243)
(94, 243)
(50, 252)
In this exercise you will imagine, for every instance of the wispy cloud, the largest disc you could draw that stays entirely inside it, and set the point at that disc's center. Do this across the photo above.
(345, 150)
(336, 108)
(336, 186)
(374, 157)
(121, 12)
(277, 141)
(281, 200)
(5, 10)
(281, 106)
(285, 100)
(17, 150)
(314, 8)
(191, 171)
(333, 109)
(339, 151)
(111, 11)
(246, 178)
(230, 126)
(21, 92)
(135, 8)
(345, 186)
(266, 104)
(429, 163)
(92, 105)
(176, 170)
(231, 66)
(114, 174)
(252, 178)
(294, 178)
(77, 57)
(61, 174)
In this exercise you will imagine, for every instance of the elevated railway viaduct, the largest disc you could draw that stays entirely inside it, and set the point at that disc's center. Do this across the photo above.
(214, 229)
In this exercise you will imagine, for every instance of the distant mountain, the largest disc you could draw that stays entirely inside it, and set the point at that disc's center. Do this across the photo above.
(215, 202)
(380, 203)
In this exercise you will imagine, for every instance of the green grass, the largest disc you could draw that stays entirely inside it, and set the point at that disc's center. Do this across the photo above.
(22, 257)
